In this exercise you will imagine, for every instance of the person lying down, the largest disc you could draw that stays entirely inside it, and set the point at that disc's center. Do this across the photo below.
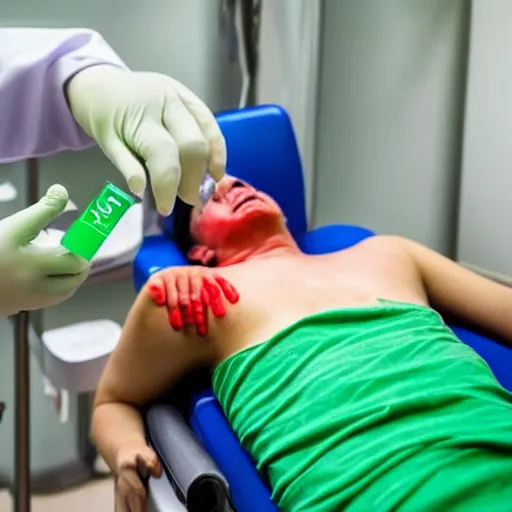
(336, 373)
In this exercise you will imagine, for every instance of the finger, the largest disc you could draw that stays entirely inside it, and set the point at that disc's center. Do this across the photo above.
(215, 297)
(135, 501)
(161, 155)
(205, 300)
(131, 501)
(24, 226)
(136, 492)
(143, 469)
(228, 290)
(149, 461)
(128, 164)
(183, 286)
(53, 261)
(156, 290)
(171, 291)
(197, 304)
(175, 319)
(121, 504)
(60, 287)
(205, 297)
(210, 128)
(192, 146)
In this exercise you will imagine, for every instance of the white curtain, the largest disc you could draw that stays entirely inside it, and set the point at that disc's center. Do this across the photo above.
(288, 63)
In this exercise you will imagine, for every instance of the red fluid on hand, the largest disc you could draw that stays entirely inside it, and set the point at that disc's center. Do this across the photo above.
(157, 292)
(175, 319)
(188, 298)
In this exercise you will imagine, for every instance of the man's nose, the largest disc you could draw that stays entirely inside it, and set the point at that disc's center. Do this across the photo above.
(227, 184)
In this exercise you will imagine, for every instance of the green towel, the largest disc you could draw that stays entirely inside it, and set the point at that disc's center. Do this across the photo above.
(372, 409)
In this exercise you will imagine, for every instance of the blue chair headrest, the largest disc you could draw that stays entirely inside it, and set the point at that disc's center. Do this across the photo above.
(262, 150)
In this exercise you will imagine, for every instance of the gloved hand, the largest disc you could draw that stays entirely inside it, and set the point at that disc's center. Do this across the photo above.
(33, 276)
(150, 120)
(188, 292)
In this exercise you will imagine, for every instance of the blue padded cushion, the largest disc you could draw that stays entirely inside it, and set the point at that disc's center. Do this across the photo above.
(497, 356)
(248, 492)
(262, 150)
(155, 253)
(331, 238)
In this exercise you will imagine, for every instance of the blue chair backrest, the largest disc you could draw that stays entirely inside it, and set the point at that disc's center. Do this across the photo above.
(262, 150)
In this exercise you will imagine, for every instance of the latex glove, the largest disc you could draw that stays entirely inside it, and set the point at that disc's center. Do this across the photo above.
(148, 120)
(188, 292)
(135, 464)
(34, 276)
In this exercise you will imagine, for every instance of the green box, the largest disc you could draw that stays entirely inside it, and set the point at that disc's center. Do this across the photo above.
(88, 233)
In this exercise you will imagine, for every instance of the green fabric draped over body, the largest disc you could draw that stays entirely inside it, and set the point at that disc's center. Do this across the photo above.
(373, 408)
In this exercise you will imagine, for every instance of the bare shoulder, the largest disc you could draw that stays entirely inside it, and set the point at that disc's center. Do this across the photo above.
(150, 357)
(387, 268)
(389, 244)
(386, 250)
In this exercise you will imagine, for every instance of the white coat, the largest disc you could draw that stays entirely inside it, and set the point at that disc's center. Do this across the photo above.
(35, 65)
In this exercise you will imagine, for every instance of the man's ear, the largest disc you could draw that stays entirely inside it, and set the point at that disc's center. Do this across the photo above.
(201, 254)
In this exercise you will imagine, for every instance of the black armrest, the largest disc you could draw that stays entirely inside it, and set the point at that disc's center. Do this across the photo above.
(195, 477)
(161, 496)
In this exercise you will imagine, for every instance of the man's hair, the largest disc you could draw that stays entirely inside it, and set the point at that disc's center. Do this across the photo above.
(181, 216)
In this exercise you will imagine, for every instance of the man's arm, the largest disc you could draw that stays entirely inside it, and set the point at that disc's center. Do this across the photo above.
(149, 358)
(35, 66)
(457, 291)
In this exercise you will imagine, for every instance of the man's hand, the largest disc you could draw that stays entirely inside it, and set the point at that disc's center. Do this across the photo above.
(188, 292)
(135, 464)
(150, 121)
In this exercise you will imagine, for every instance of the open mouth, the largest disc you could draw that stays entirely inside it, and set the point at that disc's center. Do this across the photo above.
(243, 201)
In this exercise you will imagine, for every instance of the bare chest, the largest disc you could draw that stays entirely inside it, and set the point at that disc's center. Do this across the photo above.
(276, 294)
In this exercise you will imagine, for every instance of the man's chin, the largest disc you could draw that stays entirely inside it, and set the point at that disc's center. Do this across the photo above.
(256, 220)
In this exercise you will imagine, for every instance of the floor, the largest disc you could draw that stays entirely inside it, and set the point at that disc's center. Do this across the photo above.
(97, 496)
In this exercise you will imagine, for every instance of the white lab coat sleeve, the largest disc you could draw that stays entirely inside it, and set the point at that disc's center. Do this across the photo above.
(35, 64)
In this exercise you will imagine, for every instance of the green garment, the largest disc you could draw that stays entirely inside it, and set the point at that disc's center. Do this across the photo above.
(372, 409)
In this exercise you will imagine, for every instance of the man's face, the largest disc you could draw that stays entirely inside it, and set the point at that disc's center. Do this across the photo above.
(235, 210)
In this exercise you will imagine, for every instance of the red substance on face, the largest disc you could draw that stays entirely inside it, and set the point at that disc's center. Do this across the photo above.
(238, 216)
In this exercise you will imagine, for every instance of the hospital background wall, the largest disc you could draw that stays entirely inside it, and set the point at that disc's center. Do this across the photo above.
(388, 108)
(178, 38)
(484, 241)
(414, 124)
(390, 116)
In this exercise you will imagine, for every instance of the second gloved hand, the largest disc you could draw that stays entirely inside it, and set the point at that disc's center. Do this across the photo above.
(32, 276)
(148, 120)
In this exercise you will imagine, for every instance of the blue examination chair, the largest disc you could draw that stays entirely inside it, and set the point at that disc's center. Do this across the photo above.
(262, 150)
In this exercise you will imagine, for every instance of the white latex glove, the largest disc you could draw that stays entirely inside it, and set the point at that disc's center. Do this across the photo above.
(33, 276)
(148, 120)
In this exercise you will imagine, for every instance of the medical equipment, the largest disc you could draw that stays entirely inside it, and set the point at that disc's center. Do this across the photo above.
(22, 490)
(88, 233)
(74, 356)
(257, 138)
(206, 190)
